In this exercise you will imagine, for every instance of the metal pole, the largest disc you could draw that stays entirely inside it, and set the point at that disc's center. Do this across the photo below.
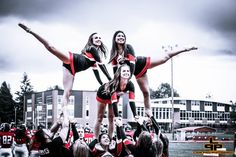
(15, 115)
(37, 115)
(172, 99)
(235, 143)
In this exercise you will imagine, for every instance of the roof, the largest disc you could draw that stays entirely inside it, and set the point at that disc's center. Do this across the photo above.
(197, 129)
(194, 99)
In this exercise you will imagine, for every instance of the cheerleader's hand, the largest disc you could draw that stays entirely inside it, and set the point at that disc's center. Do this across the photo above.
(118, 121)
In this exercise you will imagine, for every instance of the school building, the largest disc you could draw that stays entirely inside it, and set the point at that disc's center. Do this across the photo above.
(45, 107)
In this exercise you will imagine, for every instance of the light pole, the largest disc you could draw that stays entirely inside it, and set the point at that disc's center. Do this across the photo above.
(172, 98)
(15, 113)
(170, 48)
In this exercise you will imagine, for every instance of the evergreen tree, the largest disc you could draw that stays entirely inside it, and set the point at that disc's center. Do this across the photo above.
(233, 114)
(25, 88)
(7, 103)
(163, 91)
(56, 87)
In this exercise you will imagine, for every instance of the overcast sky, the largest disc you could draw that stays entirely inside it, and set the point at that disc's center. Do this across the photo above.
(149, 24)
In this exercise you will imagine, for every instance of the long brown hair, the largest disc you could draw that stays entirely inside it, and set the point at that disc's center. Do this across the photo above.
(146, 145)
(114, 48)
(89, 43)
(113, 84)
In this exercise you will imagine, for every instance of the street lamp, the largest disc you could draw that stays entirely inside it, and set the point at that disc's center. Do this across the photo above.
(172, 98)
(170, 48)
(15, 113)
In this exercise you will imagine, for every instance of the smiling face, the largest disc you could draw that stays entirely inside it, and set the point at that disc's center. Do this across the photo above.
(81, 133)
(105, 140)
(96, 39)
(125, 72)
(120, 38)
(124, 76)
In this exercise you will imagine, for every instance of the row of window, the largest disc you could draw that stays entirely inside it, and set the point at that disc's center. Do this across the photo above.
(209, 115)
(158, 113)
(184, 102)
(165, 113)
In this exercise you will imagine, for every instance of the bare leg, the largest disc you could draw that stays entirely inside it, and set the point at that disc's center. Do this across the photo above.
(64, 58)
(144, 86)
(143, 81)
(68, 80)
(161, 60)
(100, 114)
(110, 120)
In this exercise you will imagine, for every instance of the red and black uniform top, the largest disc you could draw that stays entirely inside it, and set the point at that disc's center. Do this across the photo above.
(128, 57)
(138, 64)
(81, 62)
(159, 136)
(113, 98)
(6, 139)
(22, 136)
(35, 144)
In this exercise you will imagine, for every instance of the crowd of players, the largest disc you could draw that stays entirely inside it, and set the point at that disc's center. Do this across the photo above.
(64, 139)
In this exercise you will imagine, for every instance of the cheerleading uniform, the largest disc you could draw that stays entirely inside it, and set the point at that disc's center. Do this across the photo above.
(81, 62)
(113, 98)
(141, 65)
(54, 148)
(163, 142)
(138, 65)
(114, 149)
(128, 57)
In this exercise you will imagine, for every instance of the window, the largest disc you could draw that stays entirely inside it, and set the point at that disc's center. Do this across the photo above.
(138, 111)
(142, 111)
(156, 110)
(49, 99)
(49, 112)
(164, 113)
(182, 102)
(168, 113)
(160, 113)
(207, 103)
(164, 102)
(183, 115)
(29, 114)
(195, 103)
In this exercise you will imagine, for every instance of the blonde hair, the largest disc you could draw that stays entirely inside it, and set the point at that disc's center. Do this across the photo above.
(80, 149)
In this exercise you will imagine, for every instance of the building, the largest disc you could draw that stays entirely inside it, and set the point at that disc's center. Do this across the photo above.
(188, 112)
(45, 108)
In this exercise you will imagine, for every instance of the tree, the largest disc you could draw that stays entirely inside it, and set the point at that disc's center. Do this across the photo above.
(56, 87)
(26, 88)
(233, 114)
(6, 104)
(163, 91)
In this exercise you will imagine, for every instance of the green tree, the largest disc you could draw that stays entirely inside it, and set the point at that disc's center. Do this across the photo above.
(56, 87)
(163, 91)
(25, 88)
(6, 104)
(233, 114)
